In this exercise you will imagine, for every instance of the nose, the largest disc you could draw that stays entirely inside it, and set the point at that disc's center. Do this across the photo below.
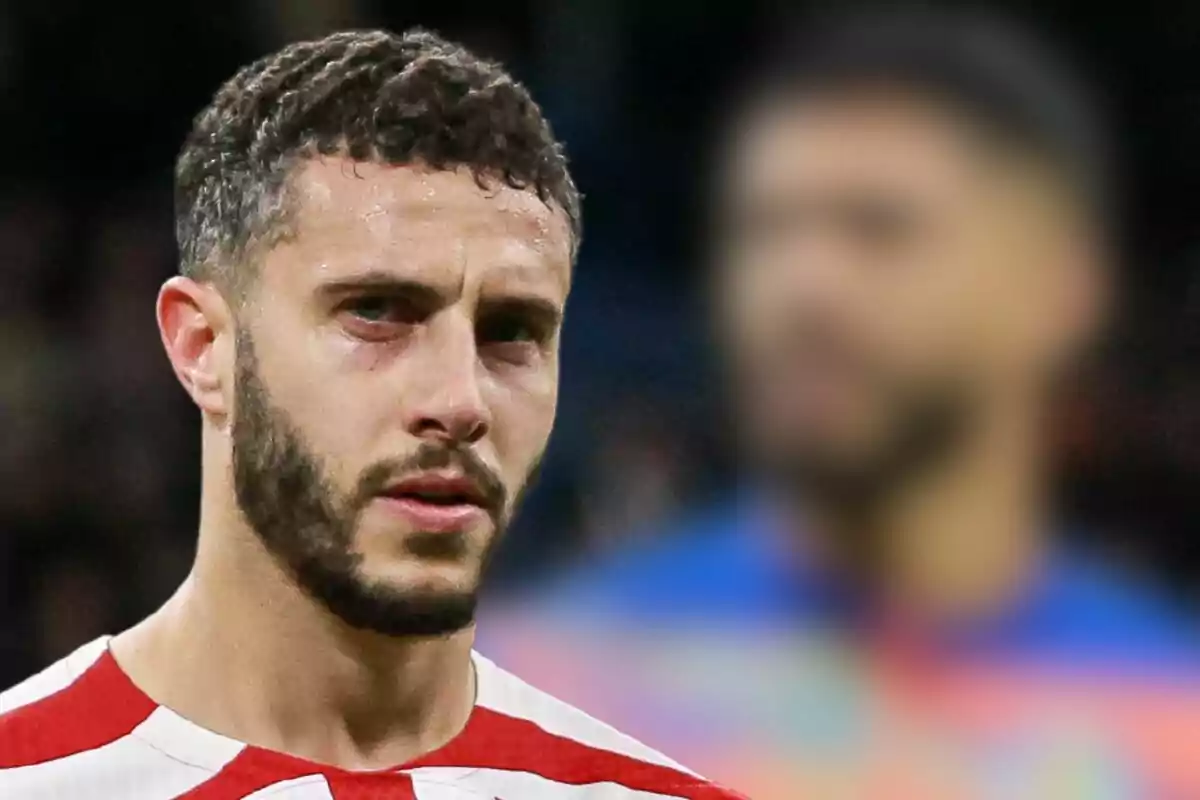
(813, 275)
(447, 400)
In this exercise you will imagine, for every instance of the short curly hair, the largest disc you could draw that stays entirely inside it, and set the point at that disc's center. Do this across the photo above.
(368, 95)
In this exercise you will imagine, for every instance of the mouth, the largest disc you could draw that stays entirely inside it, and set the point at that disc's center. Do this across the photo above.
(439, 489)
(438, 503)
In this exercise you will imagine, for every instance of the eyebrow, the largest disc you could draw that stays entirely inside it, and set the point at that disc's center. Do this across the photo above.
(539, 309)
(545, 311)
(419, 294)
(379, 281)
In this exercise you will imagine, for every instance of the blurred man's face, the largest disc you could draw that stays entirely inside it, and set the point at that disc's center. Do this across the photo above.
(397, 382)
(888, 279)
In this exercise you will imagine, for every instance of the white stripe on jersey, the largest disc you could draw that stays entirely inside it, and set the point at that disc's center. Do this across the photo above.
(309, 787)
(54, 678)
(446, 785)
(505, 785)
(166, 755)
(502, 691)
(130, 768)
(188, 743)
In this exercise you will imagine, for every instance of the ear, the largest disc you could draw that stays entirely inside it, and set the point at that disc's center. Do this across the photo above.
(197, 331)
(1090, 296)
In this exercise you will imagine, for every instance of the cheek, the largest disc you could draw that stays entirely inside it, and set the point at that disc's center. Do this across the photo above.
(748, 337)
(336, 409)
(1013, 323)
(523, 413)
(928, 322)
(756, 310)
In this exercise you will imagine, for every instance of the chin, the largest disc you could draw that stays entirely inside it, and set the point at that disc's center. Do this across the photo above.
(410, 575)
(395, 596)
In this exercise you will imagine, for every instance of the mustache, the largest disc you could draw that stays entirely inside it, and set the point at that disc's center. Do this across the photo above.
(431, 456)
(808, 339)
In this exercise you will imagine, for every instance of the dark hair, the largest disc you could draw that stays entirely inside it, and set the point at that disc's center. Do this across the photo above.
(370, 95)
(988, 70)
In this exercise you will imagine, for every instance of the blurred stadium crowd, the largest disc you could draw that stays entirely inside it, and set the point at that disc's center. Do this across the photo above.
(99, 457)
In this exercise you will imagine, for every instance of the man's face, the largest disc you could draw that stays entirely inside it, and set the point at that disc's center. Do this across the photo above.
(888, 279)
(397, 378)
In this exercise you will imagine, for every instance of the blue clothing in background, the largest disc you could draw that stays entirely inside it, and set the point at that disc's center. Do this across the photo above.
(721, 566)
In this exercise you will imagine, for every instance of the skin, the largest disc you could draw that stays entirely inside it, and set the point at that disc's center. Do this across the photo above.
(899, 295)
(411, 309)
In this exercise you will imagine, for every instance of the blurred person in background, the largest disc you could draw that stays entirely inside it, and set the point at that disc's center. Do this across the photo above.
(377, 234)
(914, 253)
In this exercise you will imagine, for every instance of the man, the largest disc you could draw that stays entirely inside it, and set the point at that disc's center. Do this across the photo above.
(377, 234)
(913, 248)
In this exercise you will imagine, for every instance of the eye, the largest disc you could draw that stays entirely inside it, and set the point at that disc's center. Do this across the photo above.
(882, 223)
(512, 337)
(507, 329)
(378, 316)
(764, 222)
(372, 309)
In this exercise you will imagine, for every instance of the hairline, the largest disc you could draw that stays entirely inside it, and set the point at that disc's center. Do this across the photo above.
(237, 271)
(973, 129)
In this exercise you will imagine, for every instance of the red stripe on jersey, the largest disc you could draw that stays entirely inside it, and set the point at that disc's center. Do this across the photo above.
(491, 740)
(497, 741)
(97, 708)
(246, 773)
(254, 769)
(371, 786)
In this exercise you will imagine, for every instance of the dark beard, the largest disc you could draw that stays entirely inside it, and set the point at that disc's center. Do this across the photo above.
(926, 429)
(308, 526)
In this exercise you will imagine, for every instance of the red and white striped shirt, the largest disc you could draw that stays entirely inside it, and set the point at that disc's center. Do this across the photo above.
(82, 729)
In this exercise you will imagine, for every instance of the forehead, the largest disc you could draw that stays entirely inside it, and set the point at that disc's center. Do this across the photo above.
(350, 214)
(872, 138)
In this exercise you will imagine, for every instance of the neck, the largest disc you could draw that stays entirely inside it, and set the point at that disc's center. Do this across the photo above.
(241, 650)
(956, 544)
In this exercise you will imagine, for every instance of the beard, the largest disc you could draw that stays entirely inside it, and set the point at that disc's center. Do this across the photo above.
(924, 427)
(308, 525)
(923, 419)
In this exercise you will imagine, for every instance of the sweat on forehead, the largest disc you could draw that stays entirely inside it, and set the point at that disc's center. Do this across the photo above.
(369, 211)
(373, 96)
(346, 220)
(335, 191)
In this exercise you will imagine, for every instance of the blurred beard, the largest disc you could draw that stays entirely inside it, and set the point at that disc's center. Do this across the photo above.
(308, 525)
(927, 425)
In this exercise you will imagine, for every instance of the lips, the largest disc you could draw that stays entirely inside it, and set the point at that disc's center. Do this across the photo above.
(437, 503)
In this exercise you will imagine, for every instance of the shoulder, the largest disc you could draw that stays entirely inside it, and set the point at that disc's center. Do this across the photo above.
(521, 730)
(52, 681)
(681, 565)
(1092, 609)
(65, 731)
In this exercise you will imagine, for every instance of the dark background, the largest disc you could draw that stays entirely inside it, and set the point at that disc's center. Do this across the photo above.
(99, 449)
